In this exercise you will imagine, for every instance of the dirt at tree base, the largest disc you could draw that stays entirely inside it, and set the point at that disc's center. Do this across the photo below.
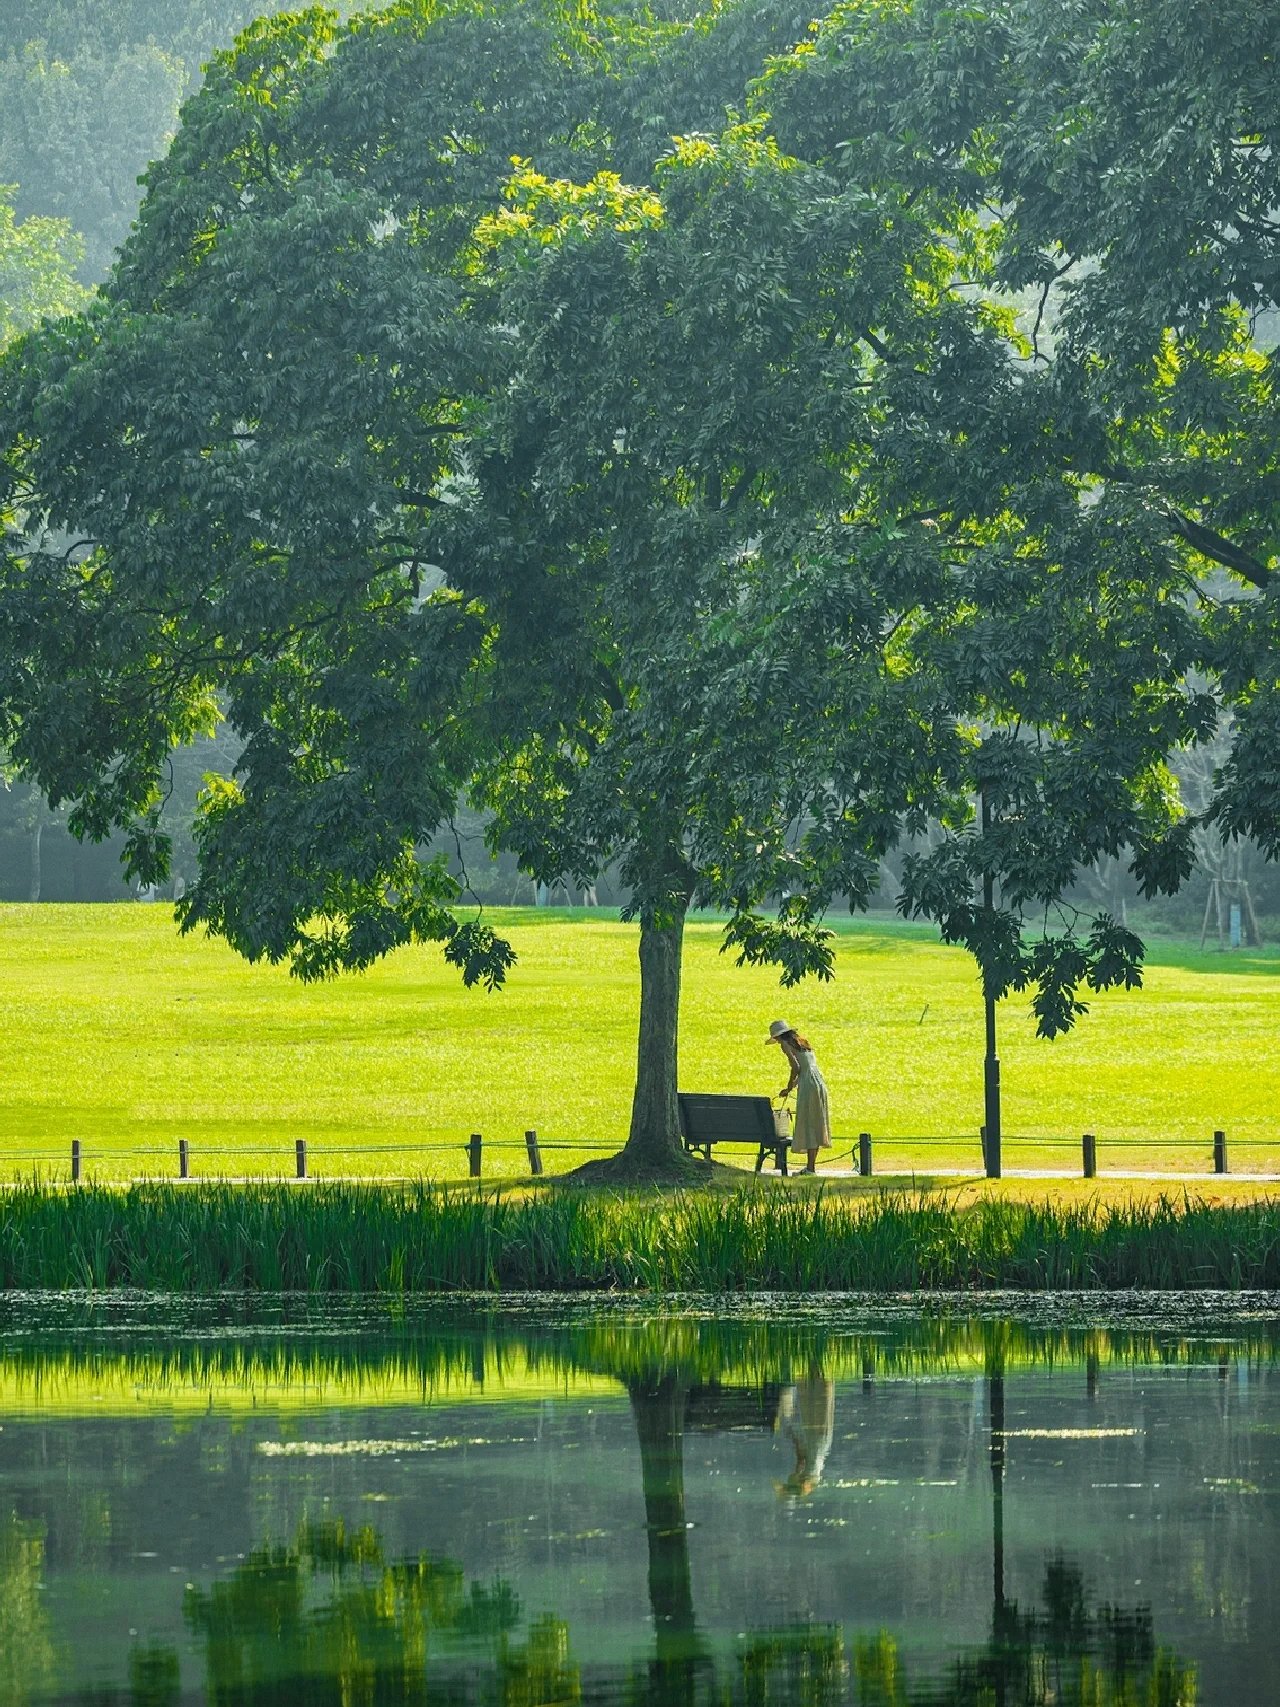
(675, 1169)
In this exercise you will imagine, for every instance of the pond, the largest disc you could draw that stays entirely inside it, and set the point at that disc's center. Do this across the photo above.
(894, 1505)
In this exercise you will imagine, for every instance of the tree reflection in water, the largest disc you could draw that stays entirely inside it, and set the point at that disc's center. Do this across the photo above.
(414, 1630)
(659, 1404)
(270, 1637)
(328, 1618)
(1061, 1654)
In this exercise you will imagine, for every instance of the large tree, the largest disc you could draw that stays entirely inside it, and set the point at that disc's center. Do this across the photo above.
(695, 504)
(280, 451)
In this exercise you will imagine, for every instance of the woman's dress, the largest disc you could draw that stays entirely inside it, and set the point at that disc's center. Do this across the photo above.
(807, 1416)
(813, 1107)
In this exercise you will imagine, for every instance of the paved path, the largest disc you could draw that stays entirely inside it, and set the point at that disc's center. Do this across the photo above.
(977, 1175)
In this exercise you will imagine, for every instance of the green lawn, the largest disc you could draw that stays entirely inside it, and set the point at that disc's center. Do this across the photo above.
(120, 1033)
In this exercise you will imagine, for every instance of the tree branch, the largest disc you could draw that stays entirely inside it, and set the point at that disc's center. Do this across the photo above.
(1206, 540)
(1217, 549)
(1049, 283)
(740, 487)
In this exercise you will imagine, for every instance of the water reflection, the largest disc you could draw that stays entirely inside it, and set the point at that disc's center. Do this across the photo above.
(745, 1513)
(266, 1641)
(270, 1632)
(806, 1416)
(26, 1646)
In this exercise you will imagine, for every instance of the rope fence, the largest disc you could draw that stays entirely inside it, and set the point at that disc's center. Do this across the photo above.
(1088, 1145)
(865, 1152)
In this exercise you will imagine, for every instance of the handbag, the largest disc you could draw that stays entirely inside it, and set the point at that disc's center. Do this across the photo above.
(782, 1122)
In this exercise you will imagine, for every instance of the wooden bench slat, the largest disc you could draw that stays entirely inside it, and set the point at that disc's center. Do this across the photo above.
(704, 1116)
(707, 1118)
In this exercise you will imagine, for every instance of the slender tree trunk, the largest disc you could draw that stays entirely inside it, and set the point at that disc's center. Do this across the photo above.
(655, 1117)
(37, 832)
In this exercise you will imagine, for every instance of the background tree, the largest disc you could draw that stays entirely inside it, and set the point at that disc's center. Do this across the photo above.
(1085, 498)
(37, 281)
(89, 96)
(1161, 244)
(37, 270)
(76, 133)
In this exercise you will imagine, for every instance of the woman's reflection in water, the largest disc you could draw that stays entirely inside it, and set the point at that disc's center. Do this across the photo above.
(806, 1417)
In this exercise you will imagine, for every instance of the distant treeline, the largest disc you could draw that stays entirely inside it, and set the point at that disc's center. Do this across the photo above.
(40, 860)
(89, 96)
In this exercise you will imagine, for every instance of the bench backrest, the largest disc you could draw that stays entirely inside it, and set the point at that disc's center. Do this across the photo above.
(706, 1119)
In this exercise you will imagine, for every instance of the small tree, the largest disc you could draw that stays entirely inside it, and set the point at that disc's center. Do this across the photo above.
(1080, 499)
(38, 259)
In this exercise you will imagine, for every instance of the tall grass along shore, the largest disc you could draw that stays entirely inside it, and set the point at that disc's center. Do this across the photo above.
(353, 1237)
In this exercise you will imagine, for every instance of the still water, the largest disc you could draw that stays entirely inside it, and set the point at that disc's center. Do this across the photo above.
(890, 1506)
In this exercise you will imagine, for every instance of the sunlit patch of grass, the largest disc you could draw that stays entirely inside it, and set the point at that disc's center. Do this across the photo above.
(119, 1033)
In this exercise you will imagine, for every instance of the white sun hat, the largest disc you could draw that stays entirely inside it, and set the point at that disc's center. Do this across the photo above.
(778, 1029)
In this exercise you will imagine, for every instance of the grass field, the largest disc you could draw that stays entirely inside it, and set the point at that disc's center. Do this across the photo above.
(117, 1032)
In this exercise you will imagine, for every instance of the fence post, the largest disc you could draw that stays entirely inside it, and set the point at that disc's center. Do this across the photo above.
(535, 1154)
(75, 1159)
(982, 1139)
(473, 1155)
(1090, 1144)
(300, 1156)
(1220, 1153)
(184, 1159)
(864, 1154)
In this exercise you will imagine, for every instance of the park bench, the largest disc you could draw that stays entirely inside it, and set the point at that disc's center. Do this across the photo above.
(715, 1409)
(706, 1120)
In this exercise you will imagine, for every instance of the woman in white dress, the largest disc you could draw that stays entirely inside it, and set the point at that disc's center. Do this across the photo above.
(813, 1108)
(807, 1417)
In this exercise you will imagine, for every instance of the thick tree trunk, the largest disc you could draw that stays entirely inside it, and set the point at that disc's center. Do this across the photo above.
(658, 1405)
(654, 1139)
(37, 832)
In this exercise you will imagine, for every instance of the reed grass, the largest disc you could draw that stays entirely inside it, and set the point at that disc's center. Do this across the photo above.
(350, 1237)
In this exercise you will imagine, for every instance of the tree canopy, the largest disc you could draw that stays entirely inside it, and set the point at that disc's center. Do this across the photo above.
(636, 425)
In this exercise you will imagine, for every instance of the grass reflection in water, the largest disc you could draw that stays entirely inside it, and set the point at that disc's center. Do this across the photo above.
(295, 1356)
